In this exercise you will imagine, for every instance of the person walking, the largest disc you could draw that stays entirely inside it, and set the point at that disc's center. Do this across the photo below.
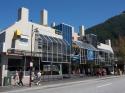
(16, 78)
(20, 77)
(33, 76)
(38, 78)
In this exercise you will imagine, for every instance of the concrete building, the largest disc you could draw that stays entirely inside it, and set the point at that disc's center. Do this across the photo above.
(106, 55)
(75, 36)
(82, 31)
(66, 31)
(18, 40)
(44, 17)
(84, 56)
(49, 49)
(89, 53)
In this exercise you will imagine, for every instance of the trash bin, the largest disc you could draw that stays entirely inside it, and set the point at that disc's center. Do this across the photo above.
(7, 81)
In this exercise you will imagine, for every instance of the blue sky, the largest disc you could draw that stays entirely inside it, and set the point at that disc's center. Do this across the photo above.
(73, 12)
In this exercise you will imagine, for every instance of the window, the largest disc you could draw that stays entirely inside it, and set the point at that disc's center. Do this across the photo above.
(15, 64)
(23, 40)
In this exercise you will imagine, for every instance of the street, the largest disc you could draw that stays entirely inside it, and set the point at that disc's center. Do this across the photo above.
(112, 85)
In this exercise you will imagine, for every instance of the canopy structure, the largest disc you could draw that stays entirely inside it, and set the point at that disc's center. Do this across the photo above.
(85, 45)
(86, 52)
(53, 49)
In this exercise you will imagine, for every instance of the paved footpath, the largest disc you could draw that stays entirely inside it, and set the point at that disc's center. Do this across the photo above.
(54, 83)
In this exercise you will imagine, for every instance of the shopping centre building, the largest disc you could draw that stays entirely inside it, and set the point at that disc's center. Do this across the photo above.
(55, 51)
(88, 54)
(25, 42)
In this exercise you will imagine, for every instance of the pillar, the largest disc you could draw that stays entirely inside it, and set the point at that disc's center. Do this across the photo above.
(4, 67)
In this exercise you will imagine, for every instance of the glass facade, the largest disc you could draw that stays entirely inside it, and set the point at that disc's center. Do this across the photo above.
(53, 49)
(66, 32)
(106, 57)
(89, 53)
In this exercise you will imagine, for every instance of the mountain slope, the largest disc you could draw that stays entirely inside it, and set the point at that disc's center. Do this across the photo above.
(111, 28)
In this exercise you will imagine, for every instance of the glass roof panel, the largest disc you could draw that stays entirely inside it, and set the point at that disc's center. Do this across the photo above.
(43, 38)
(48, 39)
(85, 45)
(57, 39)
(54, 41)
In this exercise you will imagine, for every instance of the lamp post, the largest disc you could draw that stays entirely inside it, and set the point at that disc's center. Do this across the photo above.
(31, 62)
(31, 65)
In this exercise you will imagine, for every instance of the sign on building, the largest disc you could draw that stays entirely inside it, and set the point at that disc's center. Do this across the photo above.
(90, 55)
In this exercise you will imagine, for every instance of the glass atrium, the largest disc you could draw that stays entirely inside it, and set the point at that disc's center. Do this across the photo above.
(53, 49)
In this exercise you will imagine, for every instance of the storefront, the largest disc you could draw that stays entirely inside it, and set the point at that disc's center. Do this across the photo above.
(84, 57)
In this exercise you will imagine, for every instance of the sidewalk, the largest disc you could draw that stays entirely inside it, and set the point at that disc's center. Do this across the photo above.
(49, 84)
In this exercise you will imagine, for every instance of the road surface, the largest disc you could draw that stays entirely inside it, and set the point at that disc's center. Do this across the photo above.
(112, 85)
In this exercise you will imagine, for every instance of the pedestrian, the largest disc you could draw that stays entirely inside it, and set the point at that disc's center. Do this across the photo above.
(100, 72)
(89, 72)
(16, 78)
(32, 76)
(84, 74)
(20, 77)
(38, 78)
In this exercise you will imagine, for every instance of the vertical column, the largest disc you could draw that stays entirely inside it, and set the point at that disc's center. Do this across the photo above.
(98, 57)
(80, 55)
(24, 63)
(70, 62)
(47, 48)
(4, 65)
(95, 57)
(52, 56)
(85, 55)
(57, 51)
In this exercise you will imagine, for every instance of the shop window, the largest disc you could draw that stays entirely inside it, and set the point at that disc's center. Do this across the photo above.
(15, 64)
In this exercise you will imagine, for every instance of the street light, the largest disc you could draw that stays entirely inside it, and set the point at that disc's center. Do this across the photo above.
(31, 62)
(31, 65)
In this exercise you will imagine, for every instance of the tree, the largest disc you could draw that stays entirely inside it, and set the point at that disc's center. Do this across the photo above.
(120, 47)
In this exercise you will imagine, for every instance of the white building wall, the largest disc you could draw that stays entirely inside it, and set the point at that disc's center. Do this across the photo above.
(23, 14)
(44, 17)
(26, 28)
(46, 30)
(75, 36)
(82, 31)
(105, 47)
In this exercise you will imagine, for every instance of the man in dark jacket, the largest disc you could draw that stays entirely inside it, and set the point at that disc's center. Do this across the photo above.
(20, 77)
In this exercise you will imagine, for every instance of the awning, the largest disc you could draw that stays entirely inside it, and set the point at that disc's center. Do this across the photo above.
(83, 45)
(49, 39)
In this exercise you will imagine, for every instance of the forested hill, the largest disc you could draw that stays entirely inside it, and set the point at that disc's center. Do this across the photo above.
(114, 29)
(110, 29)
